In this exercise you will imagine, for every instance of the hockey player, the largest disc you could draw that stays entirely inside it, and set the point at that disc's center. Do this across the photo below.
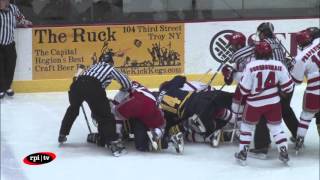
(307, 64)
(260, 82)
(262, 141)
(242, 55)
(315, 33)
(90, 87)
(201, 110)
(222, 132)
(147, 122)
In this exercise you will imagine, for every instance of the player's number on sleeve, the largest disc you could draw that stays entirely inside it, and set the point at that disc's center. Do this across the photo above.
(269, 82)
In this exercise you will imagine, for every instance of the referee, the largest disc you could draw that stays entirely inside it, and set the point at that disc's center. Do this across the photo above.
(9, 17)
(90, 87)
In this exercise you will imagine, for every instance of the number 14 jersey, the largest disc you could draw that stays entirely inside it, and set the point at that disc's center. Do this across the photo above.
(261, 81)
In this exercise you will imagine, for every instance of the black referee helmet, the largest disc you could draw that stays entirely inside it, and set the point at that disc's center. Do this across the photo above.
(265, 28)
(107, 57)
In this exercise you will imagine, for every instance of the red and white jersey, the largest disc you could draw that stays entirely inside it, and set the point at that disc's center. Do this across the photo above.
(140, 104)
(261, 81)
(141, 89)
(308, 65)
(196, 86)
(122, 95)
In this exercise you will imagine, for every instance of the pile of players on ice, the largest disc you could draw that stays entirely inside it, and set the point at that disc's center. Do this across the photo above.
(195, 112)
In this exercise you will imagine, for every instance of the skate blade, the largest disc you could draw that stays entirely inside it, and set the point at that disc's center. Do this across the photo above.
(153, 143)
(118, 154)
(260, 156)
(216, 139)
(299, 152)
(285, 162)
(242, 162)
(179, 147)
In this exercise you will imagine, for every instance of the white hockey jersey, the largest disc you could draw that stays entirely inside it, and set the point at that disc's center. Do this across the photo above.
(308, 64)
(261, 81)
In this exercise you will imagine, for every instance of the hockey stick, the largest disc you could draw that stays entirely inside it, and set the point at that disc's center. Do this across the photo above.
(219, 68)
(236, 122)
(86, 118)
(215, 74)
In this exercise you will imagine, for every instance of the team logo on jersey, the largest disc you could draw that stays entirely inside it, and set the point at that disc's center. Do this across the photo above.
(219, 48)
(39, 158)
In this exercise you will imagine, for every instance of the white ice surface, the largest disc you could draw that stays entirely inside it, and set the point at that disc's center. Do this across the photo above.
(30, 124)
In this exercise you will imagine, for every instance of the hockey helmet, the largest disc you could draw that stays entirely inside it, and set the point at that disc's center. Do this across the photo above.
(303, 38)
(106, 57)
(263, 50)
(266, 29)
(314, 31)
(236, 39)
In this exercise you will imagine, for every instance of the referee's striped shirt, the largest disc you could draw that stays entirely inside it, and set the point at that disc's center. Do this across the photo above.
(242, 54)
(105, 72)
(8, 20)
(277, 50)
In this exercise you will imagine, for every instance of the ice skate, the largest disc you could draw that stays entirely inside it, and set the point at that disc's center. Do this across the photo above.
(117, 148)
(299, 145)
(241, 156)
(178, 142)
(215, 139)
(283, 155)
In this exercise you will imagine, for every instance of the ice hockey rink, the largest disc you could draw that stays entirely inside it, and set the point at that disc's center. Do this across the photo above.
(30, 123)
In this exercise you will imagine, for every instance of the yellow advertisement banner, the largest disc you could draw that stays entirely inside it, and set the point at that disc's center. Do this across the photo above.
(149, 49)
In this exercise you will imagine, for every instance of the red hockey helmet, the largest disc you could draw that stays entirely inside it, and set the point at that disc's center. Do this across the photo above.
(303, 38)
(263, 50)
(237, 39)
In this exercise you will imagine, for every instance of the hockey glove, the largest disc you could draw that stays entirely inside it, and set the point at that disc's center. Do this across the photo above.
(227, 72)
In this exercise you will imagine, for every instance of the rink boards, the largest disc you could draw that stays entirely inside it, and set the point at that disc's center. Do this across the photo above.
(49, 56)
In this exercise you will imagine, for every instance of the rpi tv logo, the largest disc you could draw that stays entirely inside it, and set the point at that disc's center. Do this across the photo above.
(219, 48)
(39, 158)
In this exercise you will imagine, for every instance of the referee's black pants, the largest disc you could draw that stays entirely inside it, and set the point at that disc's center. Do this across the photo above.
(262, 135)
(89, 89)
(8, 58)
